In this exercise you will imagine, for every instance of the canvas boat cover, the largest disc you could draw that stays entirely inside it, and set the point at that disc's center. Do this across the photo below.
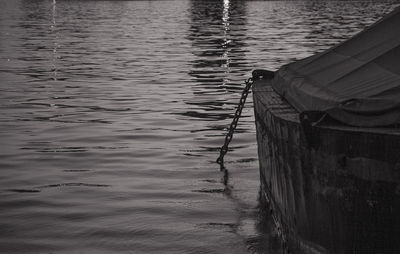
(356, 82)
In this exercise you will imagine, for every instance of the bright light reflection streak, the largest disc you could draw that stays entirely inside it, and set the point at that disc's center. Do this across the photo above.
(53, 29)
(225, 22)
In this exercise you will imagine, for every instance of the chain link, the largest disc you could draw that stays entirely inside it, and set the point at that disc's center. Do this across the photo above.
(232, 127)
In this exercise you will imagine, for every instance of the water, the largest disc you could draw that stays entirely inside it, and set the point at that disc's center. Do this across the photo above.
(112, 113)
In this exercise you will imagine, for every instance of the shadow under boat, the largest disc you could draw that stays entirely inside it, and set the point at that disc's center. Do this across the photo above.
(328, 134)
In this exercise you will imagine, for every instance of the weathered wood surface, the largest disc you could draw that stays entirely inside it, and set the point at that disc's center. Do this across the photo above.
(340, 196)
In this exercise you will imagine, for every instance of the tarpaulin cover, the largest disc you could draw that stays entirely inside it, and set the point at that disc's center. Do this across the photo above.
(356, 82)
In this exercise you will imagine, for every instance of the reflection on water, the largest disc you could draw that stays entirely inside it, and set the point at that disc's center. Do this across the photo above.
(112, 113)
(217, 34)
(55, 43)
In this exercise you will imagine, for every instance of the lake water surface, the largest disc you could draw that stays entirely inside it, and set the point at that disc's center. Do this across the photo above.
(112, 113)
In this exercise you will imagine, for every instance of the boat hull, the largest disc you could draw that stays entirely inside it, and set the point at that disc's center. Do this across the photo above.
(331, 189)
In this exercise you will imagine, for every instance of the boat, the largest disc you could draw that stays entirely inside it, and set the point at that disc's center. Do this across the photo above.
(328, 136)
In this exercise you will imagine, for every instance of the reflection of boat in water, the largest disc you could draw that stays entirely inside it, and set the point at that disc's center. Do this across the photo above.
(328, 133)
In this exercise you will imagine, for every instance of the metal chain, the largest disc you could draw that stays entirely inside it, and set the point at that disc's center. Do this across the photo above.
(232, 127)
